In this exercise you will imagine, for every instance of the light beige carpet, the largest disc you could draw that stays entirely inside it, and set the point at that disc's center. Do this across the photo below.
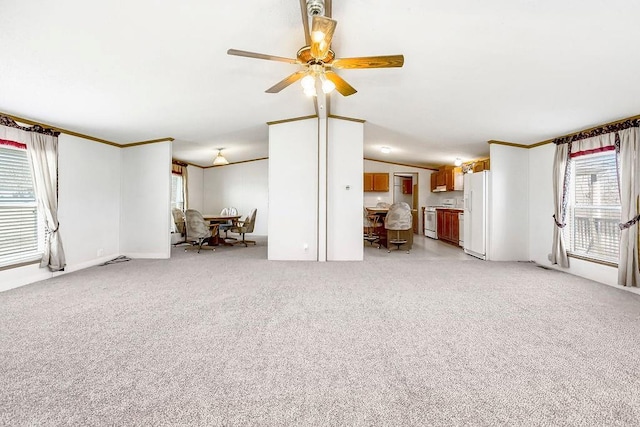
(228, 338)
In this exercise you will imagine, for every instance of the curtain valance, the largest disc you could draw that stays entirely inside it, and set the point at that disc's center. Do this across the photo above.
(603, 130)
(178, 168)
(9, 122)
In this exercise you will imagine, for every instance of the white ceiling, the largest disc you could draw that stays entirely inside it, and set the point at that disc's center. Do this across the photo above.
(512, 70)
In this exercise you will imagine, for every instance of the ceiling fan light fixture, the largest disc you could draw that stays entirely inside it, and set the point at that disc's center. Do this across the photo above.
(308, 82)
(327, 85)
(317, 36)
(310, 91)
(220, 160)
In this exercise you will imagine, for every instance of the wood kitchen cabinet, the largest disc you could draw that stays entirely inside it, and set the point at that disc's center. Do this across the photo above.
(448, 226)
(482, 165)
(407, 186)
(376, 182)
(446, 179)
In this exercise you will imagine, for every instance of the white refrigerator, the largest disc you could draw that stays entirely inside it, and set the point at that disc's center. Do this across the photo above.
(476, 203)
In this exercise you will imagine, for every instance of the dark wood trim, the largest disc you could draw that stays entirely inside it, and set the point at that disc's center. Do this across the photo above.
(151, 141)
(61, 130)
(81, 135)
(351, 119)
(233, 163)
(508, 144)
(402, 164)
(295, 119)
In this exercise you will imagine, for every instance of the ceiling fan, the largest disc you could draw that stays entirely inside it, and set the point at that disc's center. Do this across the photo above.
(317, 59)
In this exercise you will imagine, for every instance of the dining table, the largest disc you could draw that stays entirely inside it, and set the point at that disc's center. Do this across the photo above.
(216, 220)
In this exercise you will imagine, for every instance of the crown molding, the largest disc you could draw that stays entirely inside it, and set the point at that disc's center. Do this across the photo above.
(82, 135)
(350, 119)
(151, 141)
(401, 164)
(233, 163)
(294, 119)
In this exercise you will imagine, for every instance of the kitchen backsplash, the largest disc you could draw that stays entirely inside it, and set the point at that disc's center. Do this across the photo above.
(435, 199)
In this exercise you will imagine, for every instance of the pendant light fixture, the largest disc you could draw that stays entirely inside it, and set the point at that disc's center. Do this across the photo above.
(220, 160)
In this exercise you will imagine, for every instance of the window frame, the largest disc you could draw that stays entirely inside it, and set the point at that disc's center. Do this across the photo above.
(27, 257)
(572, 205)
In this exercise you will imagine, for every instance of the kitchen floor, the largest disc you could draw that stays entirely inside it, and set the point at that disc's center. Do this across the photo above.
(423, 248)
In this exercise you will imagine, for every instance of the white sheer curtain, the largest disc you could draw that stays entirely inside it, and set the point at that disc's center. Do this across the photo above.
(560, 165)
(43, 155)
(629, 163)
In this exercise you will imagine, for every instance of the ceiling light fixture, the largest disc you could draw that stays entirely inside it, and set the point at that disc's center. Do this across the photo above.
(458, 161)
(385, 150)
(220, 160)
(316, 72)
(327, 85)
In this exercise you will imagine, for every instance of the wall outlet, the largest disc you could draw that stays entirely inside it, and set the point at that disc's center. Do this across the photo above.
(305, 247)
(100, 252)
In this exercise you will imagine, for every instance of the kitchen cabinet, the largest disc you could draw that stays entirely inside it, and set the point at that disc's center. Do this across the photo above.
(481, 165)
(448, 226)
(376, 182)
(448, 178)
(407, 186)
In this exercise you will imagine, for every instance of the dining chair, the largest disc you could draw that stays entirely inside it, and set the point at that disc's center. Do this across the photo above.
(246, 226)
(226, 226)
(198, 230)
(179, 221)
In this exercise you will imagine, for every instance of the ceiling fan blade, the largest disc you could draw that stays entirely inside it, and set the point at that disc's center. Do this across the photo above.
(322, 29)
(342, 86)
(305, 22)
(244, 53)
(387, 61)
(286, 82)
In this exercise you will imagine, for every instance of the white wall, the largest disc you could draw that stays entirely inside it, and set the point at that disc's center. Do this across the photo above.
(244, 186)
(425, 197)
(195, 188)
(293, 190)
(541, 221)
(88, 209)
(145, 211)
(509, 204)
(89, 200)
(344, 190)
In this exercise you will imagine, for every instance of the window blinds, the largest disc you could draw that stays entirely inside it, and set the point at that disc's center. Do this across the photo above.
(19, 227)
(594, 207)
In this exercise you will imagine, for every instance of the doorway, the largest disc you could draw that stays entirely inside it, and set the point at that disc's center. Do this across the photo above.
(405, 189)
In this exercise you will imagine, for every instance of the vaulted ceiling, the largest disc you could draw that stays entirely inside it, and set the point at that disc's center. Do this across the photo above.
(521, 71)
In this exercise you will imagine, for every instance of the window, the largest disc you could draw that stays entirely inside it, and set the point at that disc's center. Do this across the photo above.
(21, 232)
(177, 192)
(593, 210)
